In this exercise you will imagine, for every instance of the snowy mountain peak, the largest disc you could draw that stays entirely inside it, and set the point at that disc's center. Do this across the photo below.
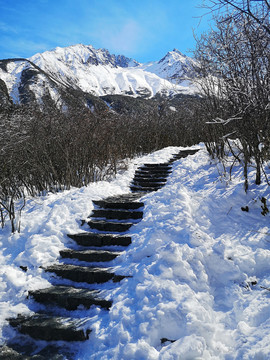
(174, 56)
(174, 66)
(84, 54)
(176, 51)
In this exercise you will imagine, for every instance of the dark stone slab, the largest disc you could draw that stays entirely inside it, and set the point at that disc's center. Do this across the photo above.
(7, 353)
(31, 349)
(123, 198)
(156, 166)
(117, 214)
(185, 153)
(126, 201)
(152, 179)
(69, 297)
(89, 255)
(147, 183)
(100, 240)
(44, 327)
(109, 226)
(85, 274)
(164, 169)
(51, 352)
(153, 172)
(148, 189)
(119, 205)
(15, 351)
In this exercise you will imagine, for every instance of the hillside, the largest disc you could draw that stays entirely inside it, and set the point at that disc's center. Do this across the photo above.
(199, 265)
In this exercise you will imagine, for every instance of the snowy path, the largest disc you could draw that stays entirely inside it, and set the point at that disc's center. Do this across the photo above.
(198, 263)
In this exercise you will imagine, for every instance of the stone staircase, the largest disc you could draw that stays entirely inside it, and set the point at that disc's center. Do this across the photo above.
(86, 263)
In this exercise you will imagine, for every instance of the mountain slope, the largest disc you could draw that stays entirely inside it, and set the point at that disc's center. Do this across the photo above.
(92, 71)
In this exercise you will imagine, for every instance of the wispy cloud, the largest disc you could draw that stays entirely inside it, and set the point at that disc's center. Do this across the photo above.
(125, 38)
(21, 47)
(7, 28)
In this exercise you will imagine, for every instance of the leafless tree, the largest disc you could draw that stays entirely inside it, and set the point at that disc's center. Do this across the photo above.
(257, 10)
(235, 78)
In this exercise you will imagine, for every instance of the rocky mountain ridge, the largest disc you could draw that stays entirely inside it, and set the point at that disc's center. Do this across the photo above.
(81, 72)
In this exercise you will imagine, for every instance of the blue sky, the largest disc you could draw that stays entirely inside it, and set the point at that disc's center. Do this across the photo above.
(142, 29)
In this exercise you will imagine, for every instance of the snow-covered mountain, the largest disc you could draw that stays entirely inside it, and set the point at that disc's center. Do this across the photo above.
(95, 72)
(174, 66)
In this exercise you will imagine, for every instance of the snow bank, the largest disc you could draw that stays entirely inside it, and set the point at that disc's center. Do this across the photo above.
(199, 266)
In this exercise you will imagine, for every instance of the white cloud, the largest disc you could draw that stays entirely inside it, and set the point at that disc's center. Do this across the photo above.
(124, 39)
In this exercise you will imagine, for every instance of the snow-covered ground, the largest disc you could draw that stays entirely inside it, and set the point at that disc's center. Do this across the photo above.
(199, 266)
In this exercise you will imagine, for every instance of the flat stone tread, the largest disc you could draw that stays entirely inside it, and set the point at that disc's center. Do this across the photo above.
(156, 165)
(109, 226)
(184, 153)
(84, 274)
(99, 240)
(69, 297)
(154, 172)
(150, 178)
(152, 168)
(149, 189)
(8, 353)
(190, 151)
(121, 198)
(145, 187)
(119, 205)
(50, 328)
(117, 214)
(147, 183)
(89, 255)
(69, 267)
(67, 291)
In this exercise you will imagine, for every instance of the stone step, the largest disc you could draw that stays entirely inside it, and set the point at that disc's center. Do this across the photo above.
(135, 188)
(50, 328)
(154, 179)
(118, 204)
(69, 297)
(32, 350)
(90, 275)
(124, 201)
(154, 169)
(184, 153)
(155, 172)
(181, 156)
(190, 151)
(89, 255)
(100, 240)
(7, 353)
(117, 214)
(147, 183)
(156, 166)
(150, 176)
(109, 226)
